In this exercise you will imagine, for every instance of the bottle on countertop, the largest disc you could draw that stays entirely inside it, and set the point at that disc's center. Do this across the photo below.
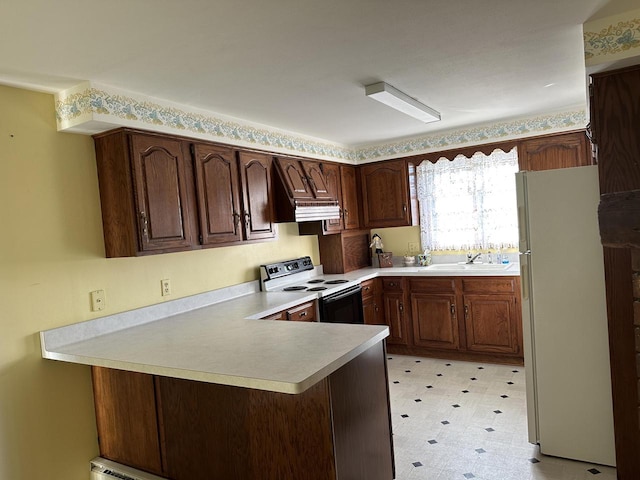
(490, 257)
(498, 256)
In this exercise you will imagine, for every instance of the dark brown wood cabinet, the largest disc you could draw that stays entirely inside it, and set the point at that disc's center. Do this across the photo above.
(554, 151)
(492, 315)
(372, 302)
(385, 194)
(144, 192)
(466, 318)
(305, 312)
(303, 179)
(164, 194)
(257, 195)
(394, 304)
(615, 116)
(217, 188)
(332, 177)
(337, 429)
(434, 313)
(349, 197)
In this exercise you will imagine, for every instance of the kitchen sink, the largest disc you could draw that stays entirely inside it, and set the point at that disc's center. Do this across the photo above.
(468, 266)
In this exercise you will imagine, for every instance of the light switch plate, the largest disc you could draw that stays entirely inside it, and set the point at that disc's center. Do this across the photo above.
(97, 300)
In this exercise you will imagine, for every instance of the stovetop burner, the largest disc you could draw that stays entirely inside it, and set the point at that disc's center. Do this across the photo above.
(294, 288)
(335, 282)
(316, 289)
(316, 280)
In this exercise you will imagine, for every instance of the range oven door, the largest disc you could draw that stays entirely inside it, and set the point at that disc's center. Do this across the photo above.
(344, 306)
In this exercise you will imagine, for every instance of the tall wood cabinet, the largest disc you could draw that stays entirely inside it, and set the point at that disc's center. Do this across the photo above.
(615, 116)
(385, 194)
(394, 304)
(162, 193)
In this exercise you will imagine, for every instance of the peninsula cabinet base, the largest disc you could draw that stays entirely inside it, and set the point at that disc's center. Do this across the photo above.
(499, 359)
(339, 428)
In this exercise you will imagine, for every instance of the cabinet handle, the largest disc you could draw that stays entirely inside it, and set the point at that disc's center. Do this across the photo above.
(247, 221)
(236, 221)
(404, 208)
(466, 312)
(303, 314)
(401, 307)
(453, 310)
(145, 224)
(346, 212)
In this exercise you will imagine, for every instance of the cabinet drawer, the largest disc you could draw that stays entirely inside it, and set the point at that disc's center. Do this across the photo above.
(276, 316)
(392, 284)
(433, 285)
(489, 285)
(368, 288)
(303, 313)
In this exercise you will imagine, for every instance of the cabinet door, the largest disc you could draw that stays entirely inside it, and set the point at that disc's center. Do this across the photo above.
(385, 194)
(394, 313)
(316, 180)
(558, 151)
(491, 323)
(434, 321)
(295, 178)
(371, 302)
(161, 193)
(217, 189)
(126, 418)
(332, 179)
(349, 200)
(257, 196)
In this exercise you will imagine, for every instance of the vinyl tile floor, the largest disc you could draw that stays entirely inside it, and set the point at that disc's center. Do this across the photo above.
(456, 420)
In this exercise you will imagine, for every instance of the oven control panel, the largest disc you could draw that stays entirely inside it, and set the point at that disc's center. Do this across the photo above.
(288, 267)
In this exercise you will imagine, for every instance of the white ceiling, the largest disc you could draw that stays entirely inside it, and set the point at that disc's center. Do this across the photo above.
(301, 65)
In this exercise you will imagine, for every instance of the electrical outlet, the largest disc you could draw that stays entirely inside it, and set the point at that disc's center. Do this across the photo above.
(414, 248)
(166, 287)
(97, 300)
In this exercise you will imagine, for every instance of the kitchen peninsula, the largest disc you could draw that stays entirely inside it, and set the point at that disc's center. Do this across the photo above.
(206, 393)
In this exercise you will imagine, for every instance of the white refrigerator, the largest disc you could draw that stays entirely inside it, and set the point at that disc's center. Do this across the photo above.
(565, 332)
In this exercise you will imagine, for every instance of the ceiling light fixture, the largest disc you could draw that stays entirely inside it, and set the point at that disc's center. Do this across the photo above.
(394, 98)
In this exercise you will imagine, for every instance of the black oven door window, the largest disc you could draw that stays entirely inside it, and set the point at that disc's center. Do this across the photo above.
(343, 307)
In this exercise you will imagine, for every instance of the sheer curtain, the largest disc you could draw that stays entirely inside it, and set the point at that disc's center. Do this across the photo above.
(469, 203)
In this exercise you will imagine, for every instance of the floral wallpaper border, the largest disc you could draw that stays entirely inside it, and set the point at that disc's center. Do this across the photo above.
(86, 104)
(615, 38)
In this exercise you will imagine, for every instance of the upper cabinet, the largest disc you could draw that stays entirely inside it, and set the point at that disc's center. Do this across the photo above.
(164, 194)
(385, 194)
(554, 151)
(257, 195)
(303, 179)
(217, 188)
(331, 173)
(144, 193)
(349, 197)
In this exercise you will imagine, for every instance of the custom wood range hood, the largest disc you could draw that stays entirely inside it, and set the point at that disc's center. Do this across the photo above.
(301, 192)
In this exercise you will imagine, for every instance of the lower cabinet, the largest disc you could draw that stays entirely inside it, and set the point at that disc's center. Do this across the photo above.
(372, 302)
(492, 315)
(338, 429)
(394, 304)
(305, 312)
(469, 318)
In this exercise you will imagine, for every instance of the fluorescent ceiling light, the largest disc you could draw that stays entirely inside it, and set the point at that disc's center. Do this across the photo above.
(394, 98)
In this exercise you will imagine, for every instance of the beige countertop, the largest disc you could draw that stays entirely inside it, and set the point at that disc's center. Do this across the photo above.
(216, 337)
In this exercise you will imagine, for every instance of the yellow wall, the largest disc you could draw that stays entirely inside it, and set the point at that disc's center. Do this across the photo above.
(51, 257)
(397, 239)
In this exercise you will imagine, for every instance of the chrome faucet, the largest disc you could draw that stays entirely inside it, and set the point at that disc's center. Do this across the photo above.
(472, 258)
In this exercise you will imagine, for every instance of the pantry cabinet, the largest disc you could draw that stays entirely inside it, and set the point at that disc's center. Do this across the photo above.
(385, 194)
